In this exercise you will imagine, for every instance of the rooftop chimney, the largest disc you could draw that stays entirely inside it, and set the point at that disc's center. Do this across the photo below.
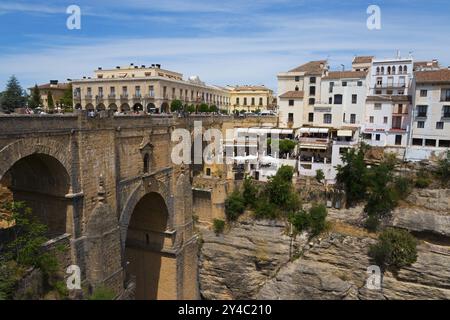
(158, 66)
(117, 67)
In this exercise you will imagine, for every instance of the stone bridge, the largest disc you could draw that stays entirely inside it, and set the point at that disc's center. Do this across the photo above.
(107, 186)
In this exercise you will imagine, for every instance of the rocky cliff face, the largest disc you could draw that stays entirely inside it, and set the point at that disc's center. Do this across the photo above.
(235, 265)
(252, 259)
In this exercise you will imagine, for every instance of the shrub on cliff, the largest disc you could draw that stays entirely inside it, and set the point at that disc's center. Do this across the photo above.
(234, 206)
(313, 221)
(396, 248)
(218, 226)
(352, 176)
(249, 192)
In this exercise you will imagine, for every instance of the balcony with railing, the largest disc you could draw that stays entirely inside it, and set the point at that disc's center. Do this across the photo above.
(99, 97)
(124, 96)
(88, 96)
(137, 96)
(77, 96)
(390, 85)
(150, 95)
(112, 96)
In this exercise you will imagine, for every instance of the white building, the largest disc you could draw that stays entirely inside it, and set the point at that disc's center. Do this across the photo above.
(388, 104)
(298, 91)
(431, 114)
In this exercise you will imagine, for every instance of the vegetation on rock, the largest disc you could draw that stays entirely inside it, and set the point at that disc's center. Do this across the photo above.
(396, 248)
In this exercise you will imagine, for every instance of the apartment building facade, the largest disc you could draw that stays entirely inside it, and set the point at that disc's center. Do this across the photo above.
(141, 88)
(389, 104)
(298, 91)
(250, 98)
(430, 132)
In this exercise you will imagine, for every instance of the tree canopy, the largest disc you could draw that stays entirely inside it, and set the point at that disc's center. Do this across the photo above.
(13, 97)
(35, 100)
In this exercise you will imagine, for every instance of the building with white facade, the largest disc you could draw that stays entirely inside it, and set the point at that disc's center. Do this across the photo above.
(298, 91)
(430, 132)
(389, 104)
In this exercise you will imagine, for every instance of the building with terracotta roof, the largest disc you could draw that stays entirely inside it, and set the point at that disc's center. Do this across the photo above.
(298, 91)
(430, 133)
(54, 88)
(426, 65)
(362, 63)
(148, 88)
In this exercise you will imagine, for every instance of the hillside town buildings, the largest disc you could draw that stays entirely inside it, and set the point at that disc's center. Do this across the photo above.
(397, 104)
(144, 88)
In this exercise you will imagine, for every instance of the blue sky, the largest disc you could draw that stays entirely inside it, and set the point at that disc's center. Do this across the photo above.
(224, 42)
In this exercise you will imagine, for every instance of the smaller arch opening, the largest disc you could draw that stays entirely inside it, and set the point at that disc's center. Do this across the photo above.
(146, 163)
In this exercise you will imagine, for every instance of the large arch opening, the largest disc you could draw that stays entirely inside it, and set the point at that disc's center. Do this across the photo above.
(151, 108)
(165, 107)
(154, 273)
(42, 182)
(138, 107)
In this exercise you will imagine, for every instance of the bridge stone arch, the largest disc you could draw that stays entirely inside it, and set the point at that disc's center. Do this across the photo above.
(148, 241)
(146, 186)
(38, 176)
(15, 151)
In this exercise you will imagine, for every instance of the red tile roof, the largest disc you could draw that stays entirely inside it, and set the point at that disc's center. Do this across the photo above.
(345, 75)
(312, 67)
(363, 59)
(433, 76)
(293, 95)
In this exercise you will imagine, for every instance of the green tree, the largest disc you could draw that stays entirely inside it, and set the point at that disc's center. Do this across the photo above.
(317, 219)
(320, 176)
(67, 98)
(213, 109)
(234, 205)
(218, 226)
(203, 108)
(352, 176)
(24, 250)
(287, 146)
(313, 221)
(35, 98)
(280, 190)
(382, 196)
(176, 106)
(250, 192)
(191, 108)
(13, 96)
(51, 103)
(396, 248)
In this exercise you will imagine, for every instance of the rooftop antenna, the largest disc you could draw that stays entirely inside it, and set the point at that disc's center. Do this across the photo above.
(411, 54)
(343, 67)
(398, 54)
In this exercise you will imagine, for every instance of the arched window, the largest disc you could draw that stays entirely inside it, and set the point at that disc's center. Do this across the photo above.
(146, 163)
(382, 70)
(405, 69)
(378, 70)
(393, 70)
(400, 69)
(389, 70)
